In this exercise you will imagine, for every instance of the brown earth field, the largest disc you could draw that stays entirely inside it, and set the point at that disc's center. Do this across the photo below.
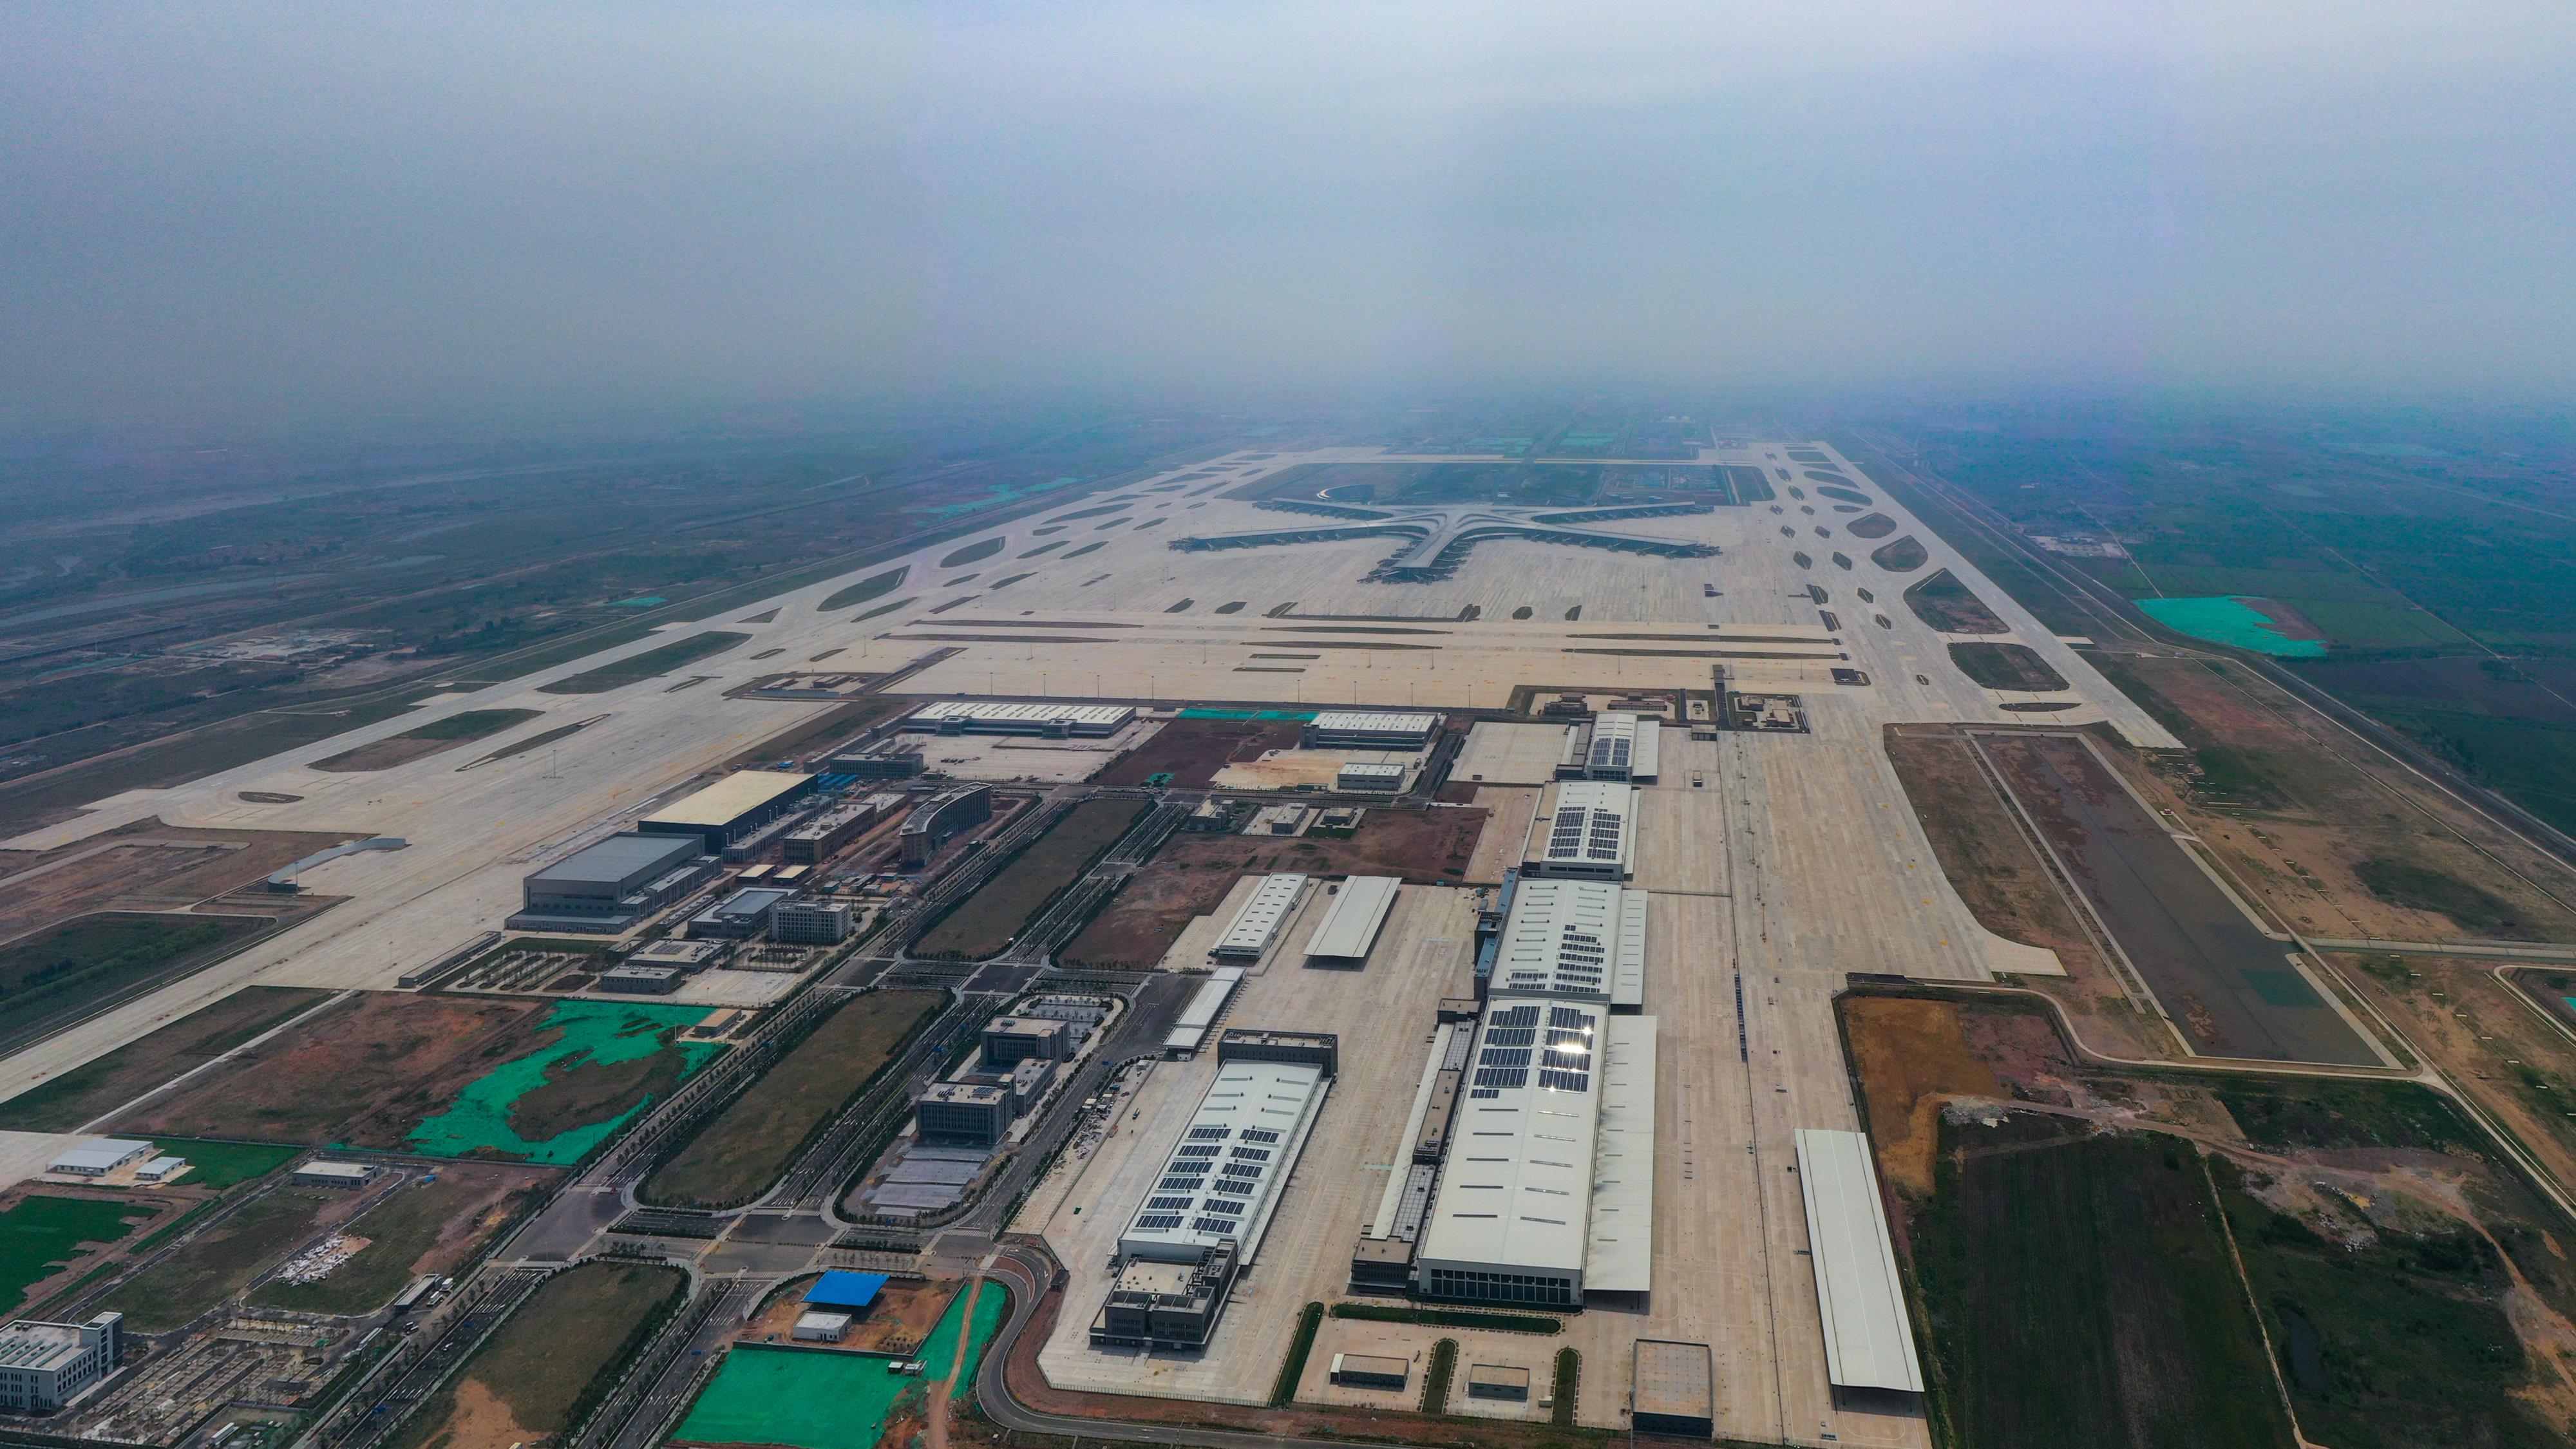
(2494, 1028)
(429, 1226)
(1901, 556)
(531, 1378)
(1192, 873)
(1951, 606)
(103, 1084)
(425, 740)
(1872, 525)
(143, 866)
(903, 1315)
(220, 1261)
(1193, 750)
(1990, 863)
(380, 1053)
(2287, 619)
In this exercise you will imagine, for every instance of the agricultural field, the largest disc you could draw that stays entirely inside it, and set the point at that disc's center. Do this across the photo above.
(90, 959)
(2074, 1235)
(743, 1149)
(432, 1224)
(42, 1234)
(103, 1084)
(548, 1362)
(636, 668)
(984, 923)
(445, 1076)
(424, 740)
(1190, 875)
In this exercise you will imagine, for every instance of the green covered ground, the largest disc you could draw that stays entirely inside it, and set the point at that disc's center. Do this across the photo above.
(2229, 620)
(42, 1232)
(821, 1399)
(547, 1106)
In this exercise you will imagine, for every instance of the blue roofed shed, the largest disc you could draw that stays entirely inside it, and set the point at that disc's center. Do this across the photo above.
(845, 1292)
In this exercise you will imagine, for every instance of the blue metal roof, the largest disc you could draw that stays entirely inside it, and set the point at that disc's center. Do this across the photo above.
(839, 1289)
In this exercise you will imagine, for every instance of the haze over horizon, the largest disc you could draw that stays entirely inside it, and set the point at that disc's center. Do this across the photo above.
(278, 214)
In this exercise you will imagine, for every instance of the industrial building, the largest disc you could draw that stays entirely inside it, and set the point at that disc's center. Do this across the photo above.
(1555, 1200)
(1619, 746)
(993, 717)
(882, 762)
(975, 1112)
(811, 842)
(1869, 1344)
(1581, 940)
(844, 1291)
(680, 956)
(937, 820)
(321, 1173)
(97, 1156)
(605, 888)
(633, 980)
(1205, 1215)
(1370, 1371)
(1358, 911)
(1676, 1388)
(814, 1326)
(1353, 729)
(44, 1366)
(1589, 832)
(1253, 928)
(1367, 779)
(1279, 820)
(1319, 1049)
(738, 917)
(811, 923)
(731, 808)
(160, 1169)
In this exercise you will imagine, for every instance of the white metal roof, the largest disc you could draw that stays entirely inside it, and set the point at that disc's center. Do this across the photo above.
(1369, 770)
(98, 1154)
(992, 711)
(1868, 1342)
(1620, 1257)
(1516, 1191)
(731, 798)
(1593, 827)
(1377, 721)
(1577, 938)
(1250, 932)
(1221, 1178)
(1358, 911)
(1209, 1000)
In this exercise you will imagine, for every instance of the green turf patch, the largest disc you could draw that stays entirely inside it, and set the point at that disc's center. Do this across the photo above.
(2228, 620)
(865, 589)
(599, 1065)
(636, 668)
(220, 1165)
(42, 1233)
(824, 1399)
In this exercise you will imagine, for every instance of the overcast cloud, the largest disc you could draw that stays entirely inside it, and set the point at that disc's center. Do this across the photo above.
(272, 213)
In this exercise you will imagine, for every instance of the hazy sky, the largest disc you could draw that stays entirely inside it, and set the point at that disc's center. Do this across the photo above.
(259, 212)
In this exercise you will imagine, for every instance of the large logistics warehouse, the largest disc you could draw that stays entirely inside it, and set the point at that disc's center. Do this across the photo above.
(1548, 1193)
(603, 888)
(1583, 940)
(1351, 923)
(993, 717)
(731, 808)
(1620, 746)
(1250, 932)
(1869, 1344)
(1587, 830)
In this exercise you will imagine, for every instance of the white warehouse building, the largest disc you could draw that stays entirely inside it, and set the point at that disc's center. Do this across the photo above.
(996, 717)
(1361, 729)
(1582, 940)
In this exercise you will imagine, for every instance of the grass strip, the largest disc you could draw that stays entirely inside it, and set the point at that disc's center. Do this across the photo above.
(1569, 1379)
(636, 668)
(1293, 1367)
(1436, 1376)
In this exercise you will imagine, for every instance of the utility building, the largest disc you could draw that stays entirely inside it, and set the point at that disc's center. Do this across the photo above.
(1587, 832)
(1351, 729)
(1869, 1344)
(1351, 923)
(1249, 934)
(1619, 746)
(994, 717)
(731, 808)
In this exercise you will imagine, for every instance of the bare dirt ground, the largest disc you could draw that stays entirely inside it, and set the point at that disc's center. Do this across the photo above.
(1193, 750)
(1994, 870)
(2515, 1057)
(380, 1050)
(143, 866)
(1193, 872)
(897, 1322)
